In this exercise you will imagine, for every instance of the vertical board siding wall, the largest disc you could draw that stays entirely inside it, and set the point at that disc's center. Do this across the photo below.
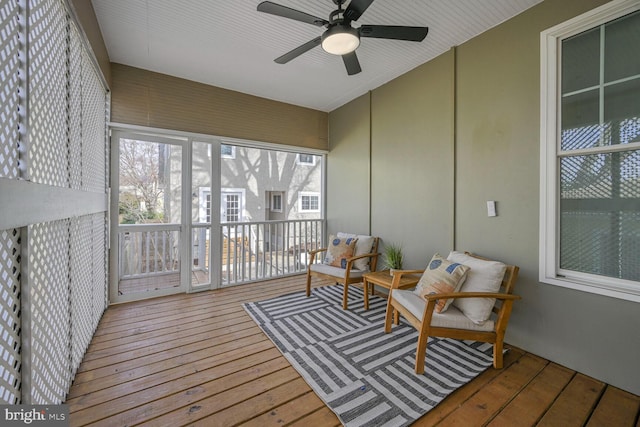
(145, 98)
(53, 139)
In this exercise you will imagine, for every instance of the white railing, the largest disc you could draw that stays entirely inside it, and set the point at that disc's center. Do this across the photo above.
(252, 251)
(248, 251)
(148, 250)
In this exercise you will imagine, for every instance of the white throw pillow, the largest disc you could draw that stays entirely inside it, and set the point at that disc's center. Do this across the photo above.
(363, 246)
(484, 276)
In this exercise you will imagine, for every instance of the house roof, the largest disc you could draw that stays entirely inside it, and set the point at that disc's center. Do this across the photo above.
(230, 44)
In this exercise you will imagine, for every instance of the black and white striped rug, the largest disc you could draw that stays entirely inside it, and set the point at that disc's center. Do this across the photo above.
(364, 375)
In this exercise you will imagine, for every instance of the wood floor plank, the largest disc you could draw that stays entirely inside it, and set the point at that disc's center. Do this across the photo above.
(139, 349)
(199, 359)
(534, 400)
(162, 329)
(237, 404)
(162, 410)
(452, 402)
(162, 350)
(322, 417)
(288, 412)
(575, 404)
(484, 405)
(248, 408)
(176, 322)
(137, 359)
(114, 400)
(249, 345)
(615, 408)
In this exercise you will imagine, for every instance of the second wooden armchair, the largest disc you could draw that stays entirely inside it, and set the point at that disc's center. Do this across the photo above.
(364, 259)
(461, 320)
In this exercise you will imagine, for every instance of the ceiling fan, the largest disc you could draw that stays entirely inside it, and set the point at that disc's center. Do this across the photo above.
(340, 38)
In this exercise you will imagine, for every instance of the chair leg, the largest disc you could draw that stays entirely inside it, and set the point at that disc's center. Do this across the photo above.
(388, 316)
(345, 294)
(308, 282)
(497, 354)
(421, 352)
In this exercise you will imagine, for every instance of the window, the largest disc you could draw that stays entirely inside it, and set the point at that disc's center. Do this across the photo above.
(306, 159)
(276, 202)
(204, 205)
(309, 202)
(590, 152)
(227, 151)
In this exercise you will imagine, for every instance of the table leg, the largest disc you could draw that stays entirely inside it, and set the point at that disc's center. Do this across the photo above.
(365, 284)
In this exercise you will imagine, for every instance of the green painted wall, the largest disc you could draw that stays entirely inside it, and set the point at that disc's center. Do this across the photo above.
(348, 166)
(454, 133)
(412, 161)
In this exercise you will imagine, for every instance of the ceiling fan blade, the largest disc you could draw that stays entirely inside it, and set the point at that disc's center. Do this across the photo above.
(351, 63)
(355, 9)
(287, 12)
(395, 32)
(298, 51)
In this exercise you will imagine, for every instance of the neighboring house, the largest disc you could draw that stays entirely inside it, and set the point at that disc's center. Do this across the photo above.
(260, 185)
(256, 184)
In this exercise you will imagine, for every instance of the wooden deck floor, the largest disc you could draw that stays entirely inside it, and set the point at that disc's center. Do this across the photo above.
(199, 359)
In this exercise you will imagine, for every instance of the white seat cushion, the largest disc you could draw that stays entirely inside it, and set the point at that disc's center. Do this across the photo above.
(335, 271)
(452, 318)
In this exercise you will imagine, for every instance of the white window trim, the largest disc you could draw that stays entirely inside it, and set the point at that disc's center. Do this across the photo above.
(549, 271)
(310, 194)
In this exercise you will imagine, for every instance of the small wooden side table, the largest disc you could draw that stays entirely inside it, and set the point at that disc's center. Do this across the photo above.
(385, 279)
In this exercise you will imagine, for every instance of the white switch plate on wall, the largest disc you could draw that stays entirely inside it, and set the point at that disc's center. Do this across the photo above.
(491, 208)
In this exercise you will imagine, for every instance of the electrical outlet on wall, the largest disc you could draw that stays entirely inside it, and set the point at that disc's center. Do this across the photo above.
(491, 208)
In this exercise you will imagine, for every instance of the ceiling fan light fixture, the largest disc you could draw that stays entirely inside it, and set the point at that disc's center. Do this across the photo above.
(340, 40)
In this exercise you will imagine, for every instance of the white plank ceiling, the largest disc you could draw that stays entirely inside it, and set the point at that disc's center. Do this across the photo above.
(229, 44)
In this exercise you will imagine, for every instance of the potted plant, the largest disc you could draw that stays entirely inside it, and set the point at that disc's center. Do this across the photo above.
(393, 257)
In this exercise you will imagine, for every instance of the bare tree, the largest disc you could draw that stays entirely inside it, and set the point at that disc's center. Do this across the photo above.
(141, 180)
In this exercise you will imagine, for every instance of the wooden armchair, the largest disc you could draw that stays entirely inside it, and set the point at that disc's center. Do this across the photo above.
(452, 323)
(365, 259)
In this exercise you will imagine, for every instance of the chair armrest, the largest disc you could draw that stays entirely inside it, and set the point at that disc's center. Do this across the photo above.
(313, 254)
(371, 255)
(397, 276)
(455, 295)
(403, 272)
(351, 260)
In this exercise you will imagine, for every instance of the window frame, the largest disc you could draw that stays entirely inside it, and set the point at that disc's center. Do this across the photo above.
(302, 194)
(550, 97)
